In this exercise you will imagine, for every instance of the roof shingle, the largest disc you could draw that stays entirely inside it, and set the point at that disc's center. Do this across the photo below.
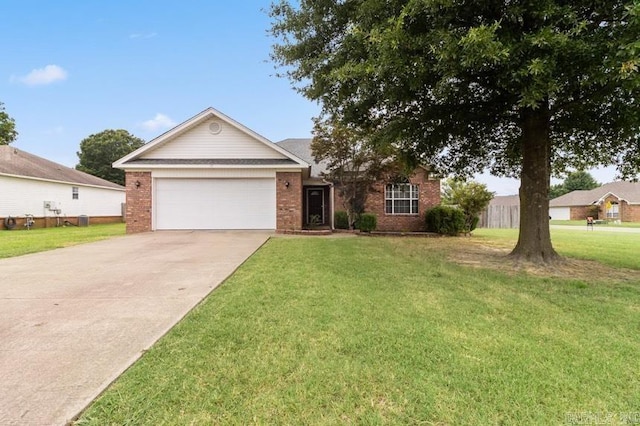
(20, 163)
(628, 191)
(301, 148)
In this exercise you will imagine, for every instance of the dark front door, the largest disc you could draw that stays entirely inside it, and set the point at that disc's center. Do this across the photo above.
(315, 206)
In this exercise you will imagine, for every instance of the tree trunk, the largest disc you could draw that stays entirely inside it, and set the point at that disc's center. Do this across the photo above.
(534, 239)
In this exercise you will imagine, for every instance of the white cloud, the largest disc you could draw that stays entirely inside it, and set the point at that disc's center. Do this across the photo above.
(160, 121)
(43, 76)
(142, 35)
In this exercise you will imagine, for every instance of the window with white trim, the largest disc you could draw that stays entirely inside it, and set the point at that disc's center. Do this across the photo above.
(401, 198)
(74, 192)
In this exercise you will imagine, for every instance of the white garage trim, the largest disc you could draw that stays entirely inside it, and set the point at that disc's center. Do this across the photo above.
(560, 213)
(214, 173)
(235, 203)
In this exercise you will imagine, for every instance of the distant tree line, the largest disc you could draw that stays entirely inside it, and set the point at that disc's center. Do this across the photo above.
(579, 180)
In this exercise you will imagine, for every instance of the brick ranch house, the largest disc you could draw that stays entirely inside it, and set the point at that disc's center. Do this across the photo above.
(211, 172)
(397, 206)
(615, 201)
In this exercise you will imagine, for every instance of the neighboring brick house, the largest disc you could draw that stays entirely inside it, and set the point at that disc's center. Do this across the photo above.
(615, 201)
(398, 206)
(211, 172)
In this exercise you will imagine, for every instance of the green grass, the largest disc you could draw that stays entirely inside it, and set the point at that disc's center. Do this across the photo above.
(584, 223)
(386, 331)
(610, 248)
(17, 243)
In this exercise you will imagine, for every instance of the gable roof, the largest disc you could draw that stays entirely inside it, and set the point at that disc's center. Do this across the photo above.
(301, 147)
(623, 190)
(140, 157)
(17, 163)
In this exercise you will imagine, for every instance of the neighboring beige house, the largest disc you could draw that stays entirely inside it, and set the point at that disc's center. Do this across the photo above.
(53, 193)
(211, 172)
(615, 201)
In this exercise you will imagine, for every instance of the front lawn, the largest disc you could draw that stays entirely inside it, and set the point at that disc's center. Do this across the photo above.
(387, 331)
(17, 243)
(583, 223)
(616, 249)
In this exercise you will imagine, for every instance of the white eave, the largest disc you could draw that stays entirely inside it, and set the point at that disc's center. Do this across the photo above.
(604, 197)
(135, 166)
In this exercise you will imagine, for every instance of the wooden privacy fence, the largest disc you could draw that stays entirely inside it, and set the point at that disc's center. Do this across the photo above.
(500, 217)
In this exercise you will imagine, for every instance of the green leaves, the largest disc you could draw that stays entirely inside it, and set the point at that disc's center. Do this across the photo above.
(100, 150)
(353, 162)
(480, 47)
(579, 180)
(8, 131)
(471, 197)
(448, 80)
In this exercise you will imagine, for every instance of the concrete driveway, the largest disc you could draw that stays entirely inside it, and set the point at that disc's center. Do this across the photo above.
(73, 319)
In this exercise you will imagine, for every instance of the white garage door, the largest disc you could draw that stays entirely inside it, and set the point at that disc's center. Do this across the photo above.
(560, 213)
(215, 204)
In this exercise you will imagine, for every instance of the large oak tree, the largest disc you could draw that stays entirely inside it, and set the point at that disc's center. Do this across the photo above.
(524, 87)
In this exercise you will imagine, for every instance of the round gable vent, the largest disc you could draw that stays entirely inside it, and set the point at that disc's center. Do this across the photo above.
(215, 127)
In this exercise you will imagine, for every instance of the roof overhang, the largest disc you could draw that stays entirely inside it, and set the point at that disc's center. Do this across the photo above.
(122, 188)
(610, 194)
(138, 166)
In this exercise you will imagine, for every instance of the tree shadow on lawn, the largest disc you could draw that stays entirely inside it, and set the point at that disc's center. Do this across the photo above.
(480, 255)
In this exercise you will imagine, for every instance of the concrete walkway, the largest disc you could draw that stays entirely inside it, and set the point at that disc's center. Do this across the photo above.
(73, 319)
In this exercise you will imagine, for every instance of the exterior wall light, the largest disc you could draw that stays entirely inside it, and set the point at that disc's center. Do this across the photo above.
(137, 184)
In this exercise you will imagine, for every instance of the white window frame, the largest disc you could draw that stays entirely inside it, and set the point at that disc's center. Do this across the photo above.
(75, 193)
(390, 192)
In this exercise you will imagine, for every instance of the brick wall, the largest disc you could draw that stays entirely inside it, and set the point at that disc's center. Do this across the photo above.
(631, 213)
(581, 213)
(288, 201)
(429, 196)
(138, 213)
(626, 212)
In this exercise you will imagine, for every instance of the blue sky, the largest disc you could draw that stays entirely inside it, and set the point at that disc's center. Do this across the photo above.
(74, 68)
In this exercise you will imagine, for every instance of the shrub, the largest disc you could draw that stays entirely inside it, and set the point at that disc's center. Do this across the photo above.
(445, 220)
(341, 219)
(367, 222)
(474, 223)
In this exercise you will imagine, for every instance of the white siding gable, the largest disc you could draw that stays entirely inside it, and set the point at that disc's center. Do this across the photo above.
(199, 143)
